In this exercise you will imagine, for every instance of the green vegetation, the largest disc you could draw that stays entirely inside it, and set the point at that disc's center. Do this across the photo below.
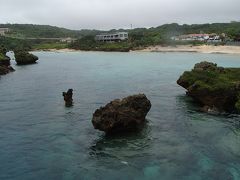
(88, 43)
(163, 33)
(23, 57)
(122, 46)
(1, 56)
(13, 43)
(213, 80)
(43, 31)
(4, 62)
(213, 86)
(50, 45)
(237, 105)
(30, 44)
(20, 34)
(143, 37)
(157, 35)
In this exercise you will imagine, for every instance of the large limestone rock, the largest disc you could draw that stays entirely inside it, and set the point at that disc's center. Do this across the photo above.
(23, 57)
(215, 88)
(122, 115)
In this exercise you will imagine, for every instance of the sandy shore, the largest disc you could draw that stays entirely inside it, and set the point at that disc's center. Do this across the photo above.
(62, 50)
(181, 48)
(200, 49)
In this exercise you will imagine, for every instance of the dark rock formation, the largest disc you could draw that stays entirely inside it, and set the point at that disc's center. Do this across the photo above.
(215, 88)
(23, 57)
(122, 115)
(6, 69)
(5, 66)
(68, 98)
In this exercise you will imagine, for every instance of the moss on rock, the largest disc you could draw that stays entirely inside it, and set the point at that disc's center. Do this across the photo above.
(23, 57)
(213, 86)
(5, 66)
(237, 105)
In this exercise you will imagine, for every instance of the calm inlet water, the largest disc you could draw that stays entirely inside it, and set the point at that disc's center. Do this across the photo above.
(41, 139)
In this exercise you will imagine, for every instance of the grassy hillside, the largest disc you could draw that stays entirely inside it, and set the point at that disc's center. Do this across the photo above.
(43, 31)
(166, 30)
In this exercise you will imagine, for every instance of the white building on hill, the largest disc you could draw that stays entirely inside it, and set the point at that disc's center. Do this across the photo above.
(118, 36)
(197, 37)
(3, 31)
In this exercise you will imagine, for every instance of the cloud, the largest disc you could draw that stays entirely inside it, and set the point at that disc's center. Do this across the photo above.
(108, 14)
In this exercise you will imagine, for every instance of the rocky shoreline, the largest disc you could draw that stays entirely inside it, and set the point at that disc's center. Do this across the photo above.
(5, 66)
(22, 57)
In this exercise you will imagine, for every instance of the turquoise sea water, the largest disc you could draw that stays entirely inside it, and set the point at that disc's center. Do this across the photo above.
(41, 139)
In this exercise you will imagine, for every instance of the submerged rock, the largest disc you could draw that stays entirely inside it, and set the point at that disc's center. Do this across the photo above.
(68, 98)
(23, 57)
(122, 115)
(217, 89)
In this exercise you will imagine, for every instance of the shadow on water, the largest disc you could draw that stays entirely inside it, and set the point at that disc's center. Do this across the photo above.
(189, 106)
(114, 144)
(30, 64)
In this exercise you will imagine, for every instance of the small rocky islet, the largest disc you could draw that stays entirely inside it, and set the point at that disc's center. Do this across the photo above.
(215, 88)
(127, 114)
(23, 57)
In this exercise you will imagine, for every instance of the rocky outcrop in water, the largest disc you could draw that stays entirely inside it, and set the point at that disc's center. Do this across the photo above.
(23, 57)
(68, 98)
(5, 66)
(122, 115)
(217, 89)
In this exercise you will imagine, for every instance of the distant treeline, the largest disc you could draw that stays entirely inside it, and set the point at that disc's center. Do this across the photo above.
(44, 31)
(138, 38)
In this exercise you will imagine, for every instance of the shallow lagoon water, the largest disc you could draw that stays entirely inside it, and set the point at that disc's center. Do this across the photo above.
(41, 139)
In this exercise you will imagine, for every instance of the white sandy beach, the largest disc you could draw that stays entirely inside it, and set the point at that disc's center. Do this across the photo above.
(180, 48)
(200, 49)
(61, 50)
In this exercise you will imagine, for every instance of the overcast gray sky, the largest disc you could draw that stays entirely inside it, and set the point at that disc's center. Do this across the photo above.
(109, 14)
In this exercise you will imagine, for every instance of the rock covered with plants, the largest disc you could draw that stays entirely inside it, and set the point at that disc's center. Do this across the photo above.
(216, 88)
(122, 115)
(22, 57)
(5, 66)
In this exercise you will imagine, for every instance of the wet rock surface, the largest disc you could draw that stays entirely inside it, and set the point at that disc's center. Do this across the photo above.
(122, 115)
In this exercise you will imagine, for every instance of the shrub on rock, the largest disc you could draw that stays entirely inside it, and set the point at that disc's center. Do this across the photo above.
(215, 88)
(23, 57)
